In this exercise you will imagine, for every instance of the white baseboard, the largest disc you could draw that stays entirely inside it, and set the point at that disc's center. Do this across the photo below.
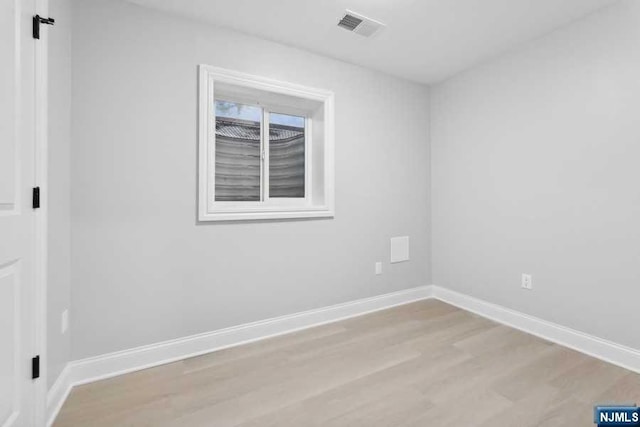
(57, 394)
(599, 348)
(122, 362)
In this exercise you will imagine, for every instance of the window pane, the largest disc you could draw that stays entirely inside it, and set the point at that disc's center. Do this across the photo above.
(286, 155)
(237, 152)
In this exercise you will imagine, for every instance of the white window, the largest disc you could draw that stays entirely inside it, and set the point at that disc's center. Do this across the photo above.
(265, 148)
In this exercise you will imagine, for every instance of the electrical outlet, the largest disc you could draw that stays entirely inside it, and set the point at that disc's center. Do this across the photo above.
(64, 321)
(527, 282)
(378, 268)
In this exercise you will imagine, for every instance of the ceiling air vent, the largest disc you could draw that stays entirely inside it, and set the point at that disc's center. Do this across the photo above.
(360, 24)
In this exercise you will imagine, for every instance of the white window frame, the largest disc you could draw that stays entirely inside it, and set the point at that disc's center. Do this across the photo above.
(318, 203)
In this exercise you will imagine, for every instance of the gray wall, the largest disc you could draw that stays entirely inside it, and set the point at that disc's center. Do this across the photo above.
(143, 270)
(535, 170)
(59, 228)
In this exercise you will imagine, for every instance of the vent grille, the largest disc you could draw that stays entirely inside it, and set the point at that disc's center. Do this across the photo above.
(349, 22)
(360, 24)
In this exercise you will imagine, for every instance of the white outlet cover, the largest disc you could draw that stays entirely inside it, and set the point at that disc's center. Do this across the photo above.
(378, 267)
(399, 249)
(64, 321)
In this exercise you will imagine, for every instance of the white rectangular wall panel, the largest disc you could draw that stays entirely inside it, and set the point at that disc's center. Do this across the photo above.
(399, 249)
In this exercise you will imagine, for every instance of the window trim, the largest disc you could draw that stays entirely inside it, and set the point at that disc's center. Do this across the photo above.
(275, 208)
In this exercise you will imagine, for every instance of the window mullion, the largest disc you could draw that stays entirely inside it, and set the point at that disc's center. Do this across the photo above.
(265, 155)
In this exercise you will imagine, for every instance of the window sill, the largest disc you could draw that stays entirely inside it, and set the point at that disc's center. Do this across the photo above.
(267, 214)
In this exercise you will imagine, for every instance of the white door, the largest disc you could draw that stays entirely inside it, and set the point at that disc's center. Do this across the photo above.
(17, 218)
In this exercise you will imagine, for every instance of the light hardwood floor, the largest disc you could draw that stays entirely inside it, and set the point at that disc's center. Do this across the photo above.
(421, 364)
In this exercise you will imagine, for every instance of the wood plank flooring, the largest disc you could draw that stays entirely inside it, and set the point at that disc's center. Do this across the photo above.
(421, 364)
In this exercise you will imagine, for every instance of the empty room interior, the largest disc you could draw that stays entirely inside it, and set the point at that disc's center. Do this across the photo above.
(386, 213)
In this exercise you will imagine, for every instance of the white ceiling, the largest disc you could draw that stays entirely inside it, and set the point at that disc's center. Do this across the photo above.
(425, 40)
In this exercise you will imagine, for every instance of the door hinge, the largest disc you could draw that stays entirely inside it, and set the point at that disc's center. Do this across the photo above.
(35, 367)
(37, 20)
(35, 201)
